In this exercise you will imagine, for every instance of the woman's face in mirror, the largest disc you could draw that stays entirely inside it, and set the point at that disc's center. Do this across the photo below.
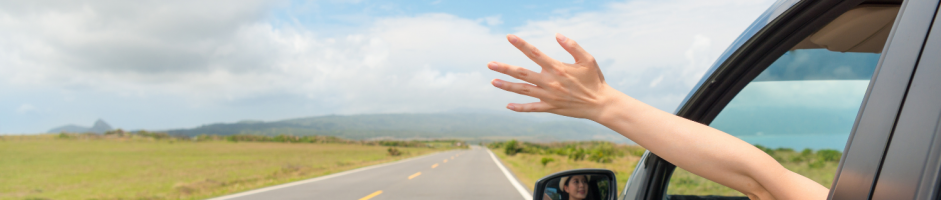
(577, 187)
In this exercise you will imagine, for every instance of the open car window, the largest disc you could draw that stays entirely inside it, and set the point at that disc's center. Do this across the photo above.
(801, 109)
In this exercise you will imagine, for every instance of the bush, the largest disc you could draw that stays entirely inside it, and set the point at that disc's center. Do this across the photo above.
(817, 164)
(578, 154)
(511, 148)
(394, 151)
(546, 160)
(829, 155)
(807, 152)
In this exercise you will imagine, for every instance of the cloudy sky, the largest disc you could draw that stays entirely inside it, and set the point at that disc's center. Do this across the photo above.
(175, 64)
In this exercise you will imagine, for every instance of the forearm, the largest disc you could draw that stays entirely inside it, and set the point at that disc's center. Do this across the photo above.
(698, 148)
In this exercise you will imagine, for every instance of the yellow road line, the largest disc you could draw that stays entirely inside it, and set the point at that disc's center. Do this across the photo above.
(413, 175)
(370, 196)
(445, 160)
(435, 165)
(452, 157)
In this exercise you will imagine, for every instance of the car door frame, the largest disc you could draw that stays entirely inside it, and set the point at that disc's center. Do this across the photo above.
(737, 68)
(911, 167)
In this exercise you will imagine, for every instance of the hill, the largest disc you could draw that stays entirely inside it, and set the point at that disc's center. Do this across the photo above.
(100, 126)
(442, 125)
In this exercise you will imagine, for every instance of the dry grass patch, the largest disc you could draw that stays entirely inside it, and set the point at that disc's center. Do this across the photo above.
(47, 167)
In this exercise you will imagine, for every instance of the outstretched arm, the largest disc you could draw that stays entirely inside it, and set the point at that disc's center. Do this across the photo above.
(579, 90)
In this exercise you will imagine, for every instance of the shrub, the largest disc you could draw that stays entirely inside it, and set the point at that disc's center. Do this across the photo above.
(817, 164)
(829, 155)
(546, 160)
(511, 148)
(578, 154)
(394, 151)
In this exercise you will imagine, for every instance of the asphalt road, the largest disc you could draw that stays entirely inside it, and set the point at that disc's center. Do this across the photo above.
(458, 174)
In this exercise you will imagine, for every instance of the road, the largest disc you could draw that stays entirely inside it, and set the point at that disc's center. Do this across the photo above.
(457, 174)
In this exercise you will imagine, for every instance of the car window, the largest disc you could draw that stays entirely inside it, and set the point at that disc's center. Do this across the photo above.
(800, 110)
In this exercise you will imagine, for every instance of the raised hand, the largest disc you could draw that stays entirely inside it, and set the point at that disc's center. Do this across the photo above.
(575, 90)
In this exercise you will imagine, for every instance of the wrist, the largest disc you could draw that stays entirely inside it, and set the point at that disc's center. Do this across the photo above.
(615, 106)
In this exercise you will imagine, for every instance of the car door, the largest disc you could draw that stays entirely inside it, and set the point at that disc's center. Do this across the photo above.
(786, 26)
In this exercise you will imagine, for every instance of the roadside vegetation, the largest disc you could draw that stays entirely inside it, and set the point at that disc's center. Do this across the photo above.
(153, 165)
(532, 161)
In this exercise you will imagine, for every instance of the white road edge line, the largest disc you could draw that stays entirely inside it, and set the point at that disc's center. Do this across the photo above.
(260, 190)
(519, 187)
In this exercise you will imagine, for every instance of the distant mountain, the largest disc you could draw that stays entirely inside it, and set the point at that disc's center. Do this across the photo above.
(100, 126)
(445, 125)
(71, 128)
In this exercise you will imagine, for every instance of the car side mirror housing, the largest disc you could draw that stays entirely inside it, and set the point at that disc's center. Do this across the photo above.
(577, 184)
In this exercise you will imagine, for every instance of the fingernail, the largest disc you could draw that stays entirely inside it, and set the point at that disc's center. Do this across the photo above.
(560, 37)
(511, 107)
(497, 83)
(512, 38)
(493, 65)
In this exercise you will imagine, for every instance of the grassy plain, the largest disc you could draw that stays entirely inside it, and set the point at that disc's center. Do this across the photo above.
(47, 167)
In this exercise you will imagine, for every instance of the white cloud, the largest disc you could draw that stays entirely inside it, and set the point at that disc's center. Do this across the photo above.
(491, 20)
(209, 53)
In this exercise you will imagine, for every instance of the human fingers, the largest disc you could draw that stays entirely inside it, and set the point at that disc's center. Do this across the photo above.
(533, 53)
(516, 72)
(580, 55)
(530, 107)
(521, 88)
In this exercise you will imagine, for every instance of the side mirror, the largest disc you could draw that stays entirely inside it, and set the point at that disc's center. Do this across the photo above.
(577, 184)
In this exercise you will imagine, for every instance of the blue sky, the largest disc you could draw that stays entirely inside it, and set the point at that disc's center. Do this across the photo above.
(177, 64)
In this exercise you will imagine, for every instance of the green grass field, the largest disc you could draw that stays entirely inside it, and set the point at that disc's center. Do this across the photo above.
(47, 167)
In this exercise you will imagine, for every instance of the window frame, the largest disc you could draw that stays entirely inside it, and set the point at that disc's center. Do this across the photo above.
(726, 79)
(912, 162)
(865, 152)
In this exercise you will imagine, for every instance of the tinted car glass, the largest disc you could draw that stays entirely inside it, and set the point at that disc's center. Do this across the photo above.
(808, 98)
(800, 110)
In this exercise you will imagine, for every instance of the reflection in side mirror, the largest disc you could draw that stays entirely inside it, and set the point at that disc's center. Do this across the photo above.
(578, 184)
